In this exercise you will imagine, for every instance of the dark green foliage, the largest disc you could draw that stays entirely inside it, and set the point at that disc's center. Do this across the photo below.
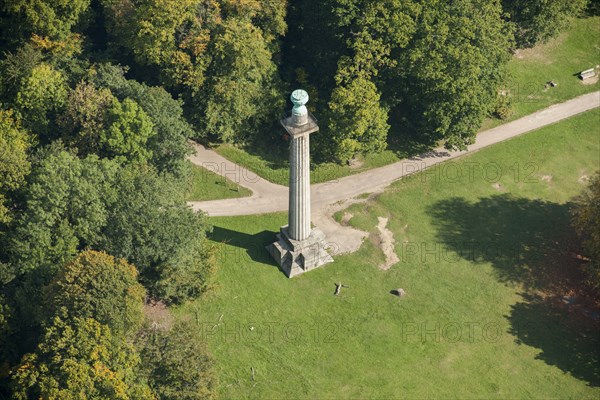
(131, 212)
(15, 67)
(6, 329)
(14, 165)
(64, 210)
(169, 143)
(151, 228)
(242, 91)
(96, 285)
(451, 71)
(586, 220)
(177, 363)
(540, 20)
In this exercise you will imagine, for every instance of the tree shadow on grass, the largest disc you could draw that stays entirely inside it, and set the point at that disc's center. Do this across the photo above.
(514, 234)
(530, 242)
(566, 340)
(246, 247)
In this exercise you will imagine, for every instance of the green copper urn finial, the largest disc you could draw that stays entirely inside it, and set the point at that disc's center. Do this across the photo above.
(299, 112)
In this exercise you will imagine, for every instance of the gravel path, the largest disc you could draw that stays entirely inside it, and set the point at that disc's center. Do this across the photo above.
(268, 197)
(330, 197)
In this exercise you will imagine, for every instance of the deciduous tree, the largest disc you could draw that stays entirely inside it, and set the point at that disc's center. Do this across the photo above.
(85, 117)
(52, 18)
(540, 20)
(448, 78)
(96, 285)
(127, 132)
(357, 122)
(169, 145)
(14, 164)
(242, 90)
(41, 96)
(178, 363)
(80, 359)
(152, 228)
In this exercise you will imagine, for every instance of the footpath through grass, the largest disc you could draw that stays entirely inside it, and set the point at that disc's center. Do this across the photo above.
(559, 60)
(485, 258)
(204, 185)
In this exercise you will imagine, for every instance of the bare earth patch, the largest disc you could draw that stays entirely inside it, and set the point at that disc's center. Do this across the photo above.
(343, 238)
(356, 164)
(547, 178)
(591, 81)
(497, 186)
(346, 218)
(583, 179)
(387, 244)
(158, 313)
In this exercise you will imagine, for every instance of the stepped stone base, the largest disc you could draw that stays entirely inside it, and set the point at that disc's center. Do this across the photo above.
(297, 257)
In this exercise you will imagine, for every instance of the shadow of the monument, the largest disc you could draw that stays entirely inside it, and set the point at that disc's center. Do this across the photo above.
(245, 247)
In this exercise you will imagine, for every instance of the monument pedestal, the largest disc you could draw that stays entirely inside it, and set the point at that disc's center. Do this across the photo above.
(296, 257)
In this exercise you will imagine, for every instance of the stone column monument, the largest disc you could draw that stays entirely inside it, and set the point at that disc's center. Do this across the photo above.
(299, 247)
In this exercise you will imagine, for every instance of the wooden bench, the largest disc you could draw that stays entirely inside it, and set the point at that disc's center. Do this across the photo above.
(588, 73)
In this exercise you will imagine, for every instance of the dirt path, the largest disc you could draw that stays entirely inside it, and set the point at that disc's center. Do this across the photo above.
(268, 197)
(387, 244)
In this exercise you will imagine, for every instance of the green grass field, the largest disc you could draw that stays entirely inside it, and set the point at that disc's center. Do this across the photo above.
(481, 256)
(559, 60)
(206, 185)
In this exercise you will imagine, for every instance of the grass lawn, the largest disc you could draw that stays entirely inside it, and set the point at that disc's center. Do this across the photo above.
(206, 185)
(559, 60)
(483, 256)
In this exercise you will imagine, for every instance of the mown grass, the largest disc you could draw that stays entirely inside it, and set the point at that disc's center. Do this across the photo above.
(476, 251)
(559, 60)
(203, 185)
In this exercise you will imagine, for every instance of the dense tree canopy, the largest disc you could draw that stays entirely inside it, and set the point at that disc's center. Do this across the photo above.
(242, 88)
(168, 144)
(452, 69)
(41, 96)
(96, 285)
(54, 18)
(64, 210)
(166, 240)
(79, 359)
(540, 20)
(14, 164)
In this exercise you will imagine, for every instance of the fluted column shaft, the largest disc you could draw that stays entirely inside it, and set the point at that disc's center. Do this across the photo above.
(299, 207)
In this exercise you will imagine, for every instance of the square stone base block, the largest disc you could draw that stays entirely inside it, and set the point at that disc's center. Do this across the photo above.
(297, 257)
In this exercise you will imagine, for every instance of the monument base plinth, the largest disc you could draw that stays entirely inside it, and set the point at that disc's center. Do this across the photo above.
(296, 257)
